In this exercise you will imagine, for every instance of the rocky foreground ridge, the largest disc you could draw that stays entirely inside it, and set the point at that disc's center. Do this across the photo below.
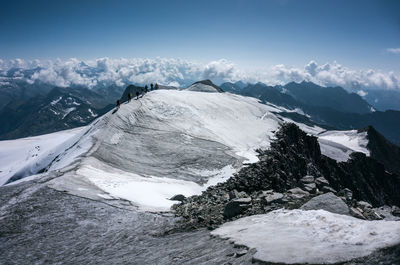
(293, 174)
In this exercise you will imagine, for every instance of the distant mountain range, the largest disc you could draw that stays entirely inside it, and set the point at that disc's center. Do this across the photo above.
(33, 109)
(60, 109)
(332, 108)
(383, 99)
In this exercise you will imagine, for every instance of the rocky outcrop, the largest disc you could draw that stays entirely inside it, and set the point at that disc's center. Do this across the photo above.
(205, 86)
(383, 150)
(236, 207)
(288, 175)
(328, 202)
(131, 89)
(178, 197)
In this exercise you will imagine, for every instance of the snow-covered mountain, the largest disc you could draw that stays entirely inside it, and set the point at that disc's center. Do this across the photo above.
(331, 107)
(204, 86)
(168, 142)
(219, 118)
(29, 156)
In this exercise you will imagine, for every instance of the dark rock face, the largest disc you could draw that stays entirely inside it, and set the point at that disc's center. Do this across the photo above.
(178, 197)
(131, 89)
(236, 207)
(294, 168)
(383, 150)
(365, 177)
(396, 211)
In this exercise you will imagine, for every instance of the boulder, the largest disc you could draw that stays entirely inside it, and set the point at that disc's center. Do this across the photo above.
(246, 200)
(178, 197)
(274, 197)
(328, 202)
(310, 187)
(355, 212)
(235, 194)
(241, 252)
(307, 179)
(364, 205)
(236, 207)
(395, 210)
(326, 189)
(298, 193)
(371, 214)
(347, 193)
(321, 182)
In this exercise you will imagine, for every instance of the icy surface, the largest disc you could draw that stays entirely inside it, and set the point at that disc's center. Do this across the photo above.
(40, 225)
(149, 193)
(339, 145)
(28, 155)
(238, 122)
(296, 236)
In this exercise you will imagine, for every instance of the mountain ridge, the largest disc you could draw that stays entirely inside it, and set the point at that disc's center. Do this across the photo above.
(387, 122)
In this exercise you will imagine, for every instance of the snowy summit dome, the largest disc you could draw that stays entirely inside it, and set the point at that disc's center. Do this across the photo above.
(205, 86)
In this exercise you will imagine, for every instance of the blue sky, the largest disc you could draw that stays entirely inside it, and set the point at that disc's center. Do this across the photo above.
(249, 33)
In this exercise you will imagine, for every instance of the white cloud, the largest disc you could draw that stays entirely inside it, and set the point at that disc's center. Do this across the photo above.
(332, 74)
(362, 93)
(106, 71)
(393, 50)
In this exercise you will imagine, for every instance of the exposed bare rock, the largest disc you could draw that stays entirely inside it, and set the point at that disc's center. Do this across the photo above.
(328, 202)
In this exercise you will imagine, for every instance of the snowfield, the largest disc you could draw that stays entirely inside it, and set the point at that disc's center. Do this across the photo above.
(318, 236)
(29, 155)
(149, 193)
(340, 144)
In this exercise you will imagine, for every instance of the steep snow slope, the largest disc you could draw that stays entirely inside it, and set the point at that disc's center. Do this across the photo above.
(171, 142)
(340, 144)
(311, 237)
(26, 156)
(201, 88)
(204, 86)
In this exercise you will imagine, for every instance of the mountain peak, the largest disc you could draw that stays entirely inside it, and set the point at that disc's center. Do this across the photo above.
(382, 149)
(336, 98)
(241, 84)
(205, 86)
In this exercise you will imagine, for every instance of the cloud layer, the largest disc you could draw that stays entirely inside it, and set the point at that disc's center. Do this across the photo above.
(393, 50)
(120, 72)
